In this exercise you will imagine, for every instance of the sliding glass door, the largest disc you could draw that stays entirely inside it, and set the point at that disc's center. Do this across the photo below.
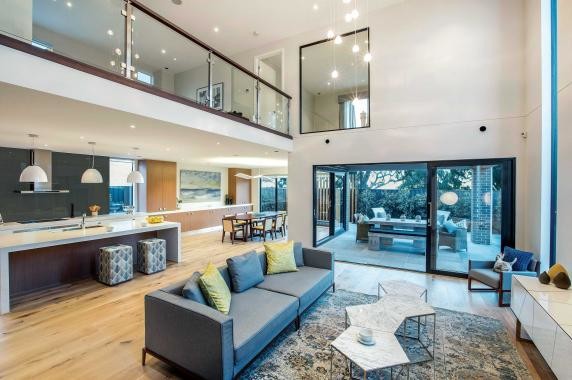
(330, 214)
(472, 213)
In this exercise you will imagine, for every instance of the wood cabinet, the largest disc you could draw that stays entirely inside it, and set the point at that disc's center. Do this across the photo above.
(199, 219)
(239, 189)
(180, 217)
(159, 193)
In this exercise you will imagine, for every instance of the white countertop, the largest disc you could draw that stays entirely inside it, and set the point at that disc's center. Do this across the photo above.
(11, 242)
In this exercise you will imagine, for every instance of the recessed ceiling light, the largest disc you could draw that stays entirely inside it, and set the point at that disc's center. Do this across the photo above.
(335, 74)
(329, 83)
(303, 58)
(136, 56)
(112, 63)
(81, 137)
(355, 14)
(174, 59)
(218, 143)
(132, 126)
(118, 51)
(216, 29)
(110, 32)
(315, 7)
(346, 1)
(69, 4)
(46, 145)
(163, 51)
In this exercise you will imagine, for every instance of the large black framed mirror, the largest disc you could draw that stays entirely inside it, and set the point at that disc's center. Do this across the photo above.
(334, 83)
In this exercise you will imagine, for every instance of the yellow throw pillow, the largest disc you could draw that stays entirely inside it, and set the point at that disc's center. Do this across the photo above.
(555, 269)
(280, 257)
(215, 289)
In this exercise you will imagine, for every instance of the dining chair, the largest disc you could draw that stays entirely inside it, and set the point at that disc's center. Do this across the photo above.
(279, 225)
(263, 229)
(229, 226)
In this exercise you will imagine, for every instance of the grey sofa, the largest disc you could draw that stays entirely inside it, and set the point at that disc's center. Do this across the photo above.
(203, 342)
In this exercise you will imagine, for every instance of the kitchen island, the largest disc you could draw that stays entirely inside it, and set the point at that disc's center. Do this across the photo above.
(40, 259)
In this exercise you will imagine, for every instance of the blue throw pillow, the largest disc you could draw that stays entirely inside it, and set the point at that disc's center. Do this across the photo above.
(522, 258)
(193, 291)
(450, 227)
(298, 254)
(245, 271)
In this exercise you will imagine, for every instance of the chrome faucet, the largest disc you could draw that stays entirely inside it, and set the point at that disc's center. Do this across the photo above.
(83, 221)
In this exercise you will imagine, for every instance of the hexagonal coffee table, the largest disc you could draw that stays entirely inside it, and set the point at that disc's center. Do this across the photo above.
(401, 287)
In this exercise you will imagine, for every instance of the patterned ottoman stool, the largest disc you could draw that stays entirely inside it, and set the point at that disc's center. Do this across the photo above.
(115, 264)
(151, 255)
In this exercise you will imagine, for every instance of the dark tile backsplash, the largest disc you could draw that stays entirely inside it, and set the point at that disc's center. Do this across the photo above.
(66, 175)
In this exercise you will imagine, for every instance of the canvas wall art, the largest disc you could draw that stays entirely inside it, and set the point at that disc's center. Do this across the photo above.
(218, 96)
(199, 186)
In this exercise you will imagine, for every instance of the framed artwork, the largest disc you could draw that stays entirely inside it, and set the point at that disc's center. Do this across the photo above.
(199, 186)
(218, 96)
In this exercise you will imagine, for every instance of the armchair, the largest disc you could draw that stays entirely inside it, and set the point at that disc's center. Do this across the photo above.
(500, 282)
(456, 240)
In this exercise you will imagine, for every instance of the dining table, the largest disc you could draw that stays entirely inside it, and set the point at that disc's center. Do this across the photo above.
(254, 217)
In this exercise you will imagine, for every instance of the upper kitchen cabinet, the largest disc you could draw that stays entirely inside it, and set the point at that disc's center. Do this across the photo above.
(159, 193)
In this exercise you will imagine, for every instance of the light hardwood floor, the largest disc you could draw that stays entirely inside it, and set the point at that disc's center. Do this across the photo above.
(91, 331)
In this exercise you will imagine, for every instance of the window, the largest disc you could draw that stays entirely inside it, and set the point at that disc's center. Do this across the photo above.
(120, 192)
(145, 77)
(273, 193)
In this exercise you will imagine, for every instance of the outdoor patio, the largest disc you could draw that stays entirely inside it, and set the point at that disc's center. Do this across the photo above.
(403, 255)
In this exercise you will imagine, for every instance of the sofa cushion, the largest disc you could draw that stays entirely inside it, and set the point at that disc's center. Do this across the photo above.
(258, 317)
(280, 257)
(298, 254)
(245, 271)
(215, 289)
(192, 289)
(486, 276)
(307, 284)
(522, 258)
(450, 227)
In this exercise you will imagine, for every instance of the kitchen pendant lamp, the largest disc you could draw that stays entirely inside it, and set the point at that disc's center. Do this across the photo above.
(32, 172)
(135, 176)
(92, 175)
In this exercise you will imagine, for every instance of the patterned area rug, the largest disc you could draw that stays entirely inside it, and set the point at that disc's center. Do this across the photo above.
(467, 347)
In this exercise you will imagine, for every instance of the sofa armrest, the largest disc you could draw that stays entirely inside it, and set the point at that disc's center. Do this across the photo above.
(481, 264)
(318, 258)
(506, 278)
(190, 335)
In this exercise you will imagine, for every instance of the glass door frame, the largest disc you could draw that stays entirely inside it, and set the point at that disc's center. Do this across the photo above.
(332, 171)
(508, 194)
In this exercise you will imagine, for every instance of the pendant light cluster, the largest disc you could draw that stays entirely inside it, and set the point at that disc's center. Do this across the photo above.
(332, 34)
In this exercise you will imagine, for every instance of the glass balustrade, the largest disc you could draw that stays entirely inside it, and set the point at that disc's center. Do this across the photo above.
(128, 40)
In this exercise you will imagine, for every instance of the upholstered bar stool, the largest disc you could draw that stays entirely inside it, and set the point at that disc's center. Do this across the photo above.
(151, 255)
(115, 264)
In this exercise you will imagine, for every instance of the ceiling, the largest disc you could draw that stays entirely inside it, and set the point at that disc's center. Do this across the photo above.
(272, 20)
(27, 111)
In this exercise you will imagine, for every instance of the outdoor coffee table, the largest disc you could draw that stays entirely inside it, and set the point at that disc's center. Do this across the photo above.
(385, 353)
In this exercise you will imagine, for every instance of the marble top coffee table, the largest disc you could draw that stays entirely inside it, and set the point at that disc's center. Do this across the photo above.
(385, 353)
(401, 287)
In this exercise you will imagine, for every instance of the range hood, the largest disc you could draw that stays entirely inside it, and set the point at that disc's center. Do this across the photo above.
(42, 158)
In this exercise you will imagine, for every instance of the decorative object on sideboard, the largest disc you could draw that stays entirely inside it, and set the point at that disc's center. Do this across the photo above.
(135, 176)
(32, 172)
(179, 203)
(558, 275)
(227, 200)
(94, 209)
(92, 175)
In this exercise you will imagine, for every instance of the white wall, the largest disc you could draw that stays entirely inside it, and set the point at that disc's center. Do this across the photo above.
(564, 223)
(223, 184)
(436, 76)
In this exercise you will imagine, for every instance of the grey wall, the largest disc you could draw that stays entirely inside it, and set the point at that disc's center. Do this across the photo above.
(66, 174)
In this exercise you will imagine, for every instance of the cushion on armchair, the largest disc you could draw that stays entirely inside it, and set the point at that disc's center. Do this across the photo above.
(450, 227)
(522, 258)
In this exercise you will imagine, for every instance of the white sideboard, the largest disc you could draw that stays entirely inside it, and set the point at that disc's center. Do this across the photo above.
(545, 313)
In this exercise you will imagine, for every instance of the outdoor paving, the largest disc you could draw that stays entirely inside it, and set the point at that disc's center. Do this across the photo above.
(403, 255)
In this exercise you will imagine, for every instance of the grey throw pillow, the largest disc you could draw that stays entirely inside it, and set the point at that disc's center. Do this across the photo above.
(245, 271)
(192, 290)
(298, 254)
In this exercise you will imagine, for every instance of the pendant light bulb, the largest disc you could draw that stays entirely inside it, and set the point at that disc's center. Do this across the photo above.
(338, 40)
(346, 1)
(335, 74)
(330, 34)
(355, 48)
(348, 17)
(367, 57)
(354, 14)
